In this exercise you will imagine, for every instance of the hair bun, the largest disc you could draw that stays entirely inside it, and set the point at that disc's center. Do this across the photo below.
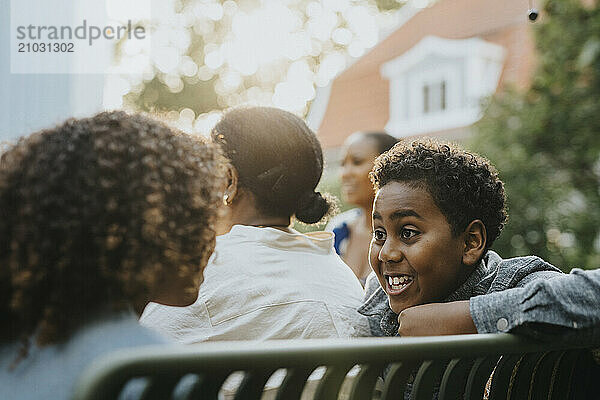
(312, 207)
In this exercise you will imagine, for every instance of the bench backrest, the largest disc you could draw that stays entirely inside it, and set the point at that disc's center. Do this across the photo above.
(450, 367)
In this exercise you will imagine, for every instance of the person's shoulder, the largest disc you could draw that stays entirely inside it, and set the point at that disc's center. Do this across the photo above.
(116, 330)
(593, 274)
(525, 264)
(63, 362)
(518, 271)
(343, 218)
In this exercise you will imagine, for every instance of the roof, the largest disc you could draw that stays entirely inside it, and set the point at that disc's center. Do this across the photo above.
(359, 97)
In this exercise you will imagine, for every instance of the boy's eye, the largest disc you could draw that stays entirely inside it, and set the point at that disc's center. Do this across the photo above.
(378, 235)
(408, 233)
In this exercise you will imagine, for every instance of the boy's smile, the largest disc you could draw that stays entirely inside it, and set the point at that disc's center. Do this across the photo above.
(414, 253)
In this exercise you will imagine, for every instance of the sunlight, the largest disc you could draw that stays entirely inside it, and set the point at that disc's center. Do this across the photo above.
(259, 52)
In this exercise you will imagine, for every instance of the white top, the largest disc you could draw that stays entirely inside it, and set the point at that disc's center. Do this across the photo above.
(264, 283)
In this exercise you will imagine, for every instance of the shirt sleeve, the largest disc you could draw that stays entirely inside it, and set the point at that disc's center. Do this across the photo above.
(563, 305)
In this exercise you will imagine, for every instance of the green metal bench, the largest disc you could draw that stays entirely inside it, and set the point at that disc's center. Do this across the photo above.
(449, 367)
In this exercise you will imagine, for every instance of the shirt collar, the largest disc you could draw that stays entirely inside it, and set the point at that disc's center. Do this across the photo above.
(320, 242)
(466, 290)
(377, 304)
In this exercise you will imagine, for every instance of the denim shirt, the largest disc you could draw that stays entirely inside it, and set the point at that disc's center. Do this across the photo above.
(493, 274)
(567, 308)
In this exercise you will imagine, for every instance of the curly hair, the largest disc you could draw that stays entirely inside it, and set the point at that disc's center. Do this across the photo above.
(96, 214)
(463, 185)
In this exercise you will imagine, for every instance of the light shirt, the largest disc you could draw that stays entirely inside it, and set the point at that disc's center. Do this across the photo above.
(50, 372)
(264, 283)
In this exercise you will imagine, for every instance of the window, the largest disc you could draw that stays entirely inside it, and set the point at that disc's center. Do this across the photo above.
(438, 84)
(434, 97)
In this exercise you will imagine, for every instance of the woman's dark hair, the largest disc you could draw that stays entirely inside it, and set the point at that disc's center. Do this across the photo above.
(278, 159)
(464, 186)
(95, 214)
(383, 141)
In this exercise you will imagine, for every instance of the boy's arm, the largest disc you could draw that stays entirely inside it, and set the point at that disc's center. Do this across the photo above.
(436, 319)
(545, 308)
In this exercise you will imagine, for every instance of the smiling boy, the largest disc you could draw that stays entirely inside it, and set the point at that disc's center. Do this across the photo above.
(437, 211)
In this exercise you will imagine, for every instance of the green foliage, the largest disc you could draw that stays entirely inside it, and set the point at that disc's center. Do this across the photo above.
(545, 143)
(201, 30)
(181, 74)
(386, 5)
(330, 184)
(199, 96)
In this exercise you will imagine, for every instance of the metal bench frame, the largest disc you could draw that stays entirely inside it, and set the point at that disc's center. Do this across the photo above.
(449, 367)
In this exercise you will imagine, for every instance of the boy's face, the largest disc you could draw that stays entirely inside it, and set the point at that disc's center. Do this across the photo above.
(416, 257)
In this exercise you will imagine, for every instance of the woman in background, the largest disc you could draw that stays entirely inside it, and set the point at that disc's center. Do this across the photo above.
(352, 228)
(266, 280)
(99, 216)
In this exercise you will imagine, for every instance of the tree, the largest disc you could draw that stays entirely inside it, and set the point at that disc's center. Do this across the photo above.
(212, 54)
(545, 142)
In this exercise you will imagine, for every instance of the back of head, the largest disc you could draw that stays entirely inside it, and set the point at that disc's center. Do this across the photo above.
(97, 212)
(464, 186)
(278, 159)
(383, 140)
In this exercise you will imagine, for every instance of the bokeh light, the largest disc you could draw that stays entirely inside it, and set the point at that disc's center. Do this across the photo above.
(252, 52)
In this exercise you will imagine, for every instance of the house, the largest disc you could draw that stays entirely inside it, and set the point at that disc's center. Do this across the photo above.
(428, 77)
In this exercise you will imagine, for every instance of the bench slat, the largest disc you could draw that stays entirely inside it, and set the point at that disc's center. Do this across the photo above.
(523, 375)
(502, 375)
(542, 380)
(397, 378)
(425, 381)
(364, 383)
(478, 377)
(563, 375)
(207, 387)
(329, 385)
(454, 379)
(253, 384)
(293, 383)
(160, 387)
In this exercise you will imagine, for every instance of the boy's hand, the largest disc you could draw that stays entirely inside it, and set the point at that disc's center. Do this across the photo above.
(436, 319)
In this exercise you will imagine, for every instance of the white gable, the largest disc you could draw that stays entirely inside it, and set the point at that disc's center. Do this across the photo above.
(439, 84)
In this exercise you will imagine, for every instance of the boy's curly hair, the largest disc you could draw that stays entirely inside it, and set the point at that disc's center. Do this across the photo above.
(96, 213)
(464, 186)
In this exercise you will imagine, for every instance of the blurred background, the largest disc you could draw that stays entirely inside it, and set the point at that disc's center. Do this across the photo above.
(525, 95)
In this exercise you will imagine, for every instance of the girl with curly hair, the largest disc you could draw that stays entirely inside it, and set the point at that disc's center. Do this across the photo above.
(99, 216)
